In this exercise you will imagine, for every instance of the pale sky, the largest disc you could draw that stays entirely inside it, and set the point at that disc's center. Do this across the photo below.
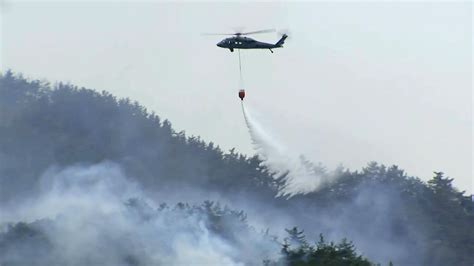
(356, 81)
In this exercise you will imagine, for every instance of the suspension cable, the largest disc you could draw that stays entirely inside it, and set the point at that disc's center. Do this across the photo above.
(241, 81)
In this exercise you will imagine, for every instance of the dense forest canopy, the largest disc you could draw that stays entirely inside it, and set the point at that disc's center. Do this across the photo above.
(47, 130)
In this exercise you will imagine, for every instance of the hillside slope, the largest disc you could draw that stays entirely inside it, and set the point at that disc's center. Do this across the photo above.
(389, 215)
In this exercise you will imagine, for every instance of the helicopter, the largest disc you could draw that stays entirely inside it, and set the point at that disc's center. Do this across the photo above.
(239, 41)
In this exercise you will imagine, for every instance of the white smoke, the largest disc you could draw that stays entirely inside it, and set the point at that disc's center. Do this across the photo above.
(300, 176)
(91, 225)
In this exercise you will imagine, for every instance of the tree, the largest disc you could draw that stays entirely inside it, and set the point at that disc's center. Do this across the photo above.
(327, 254)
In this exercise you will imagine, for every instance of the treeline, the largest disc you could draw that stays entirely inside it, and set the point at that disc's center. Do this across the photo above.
(41, 126)
(388, 214)
(39, 242)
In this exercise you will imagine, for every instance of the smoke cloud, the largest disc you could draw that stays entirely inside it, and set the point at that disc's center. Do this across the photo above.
(94, 215)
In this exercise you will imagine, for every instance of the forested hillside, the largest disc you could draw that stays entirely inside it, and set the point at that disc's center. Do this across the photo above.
(47, 130)
(67, 125)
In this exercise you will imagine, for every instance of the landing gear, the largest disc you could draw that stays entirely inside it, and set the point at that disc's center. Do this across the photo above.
(231, 49)
(271, 50)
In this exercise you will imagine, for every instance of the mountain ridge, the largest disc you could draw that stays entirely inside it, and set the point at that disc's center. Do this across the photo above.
(391, 216)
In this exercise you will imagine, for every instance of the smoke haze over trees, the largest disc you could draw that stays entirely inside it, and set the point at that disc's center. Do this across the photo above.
(86, 178)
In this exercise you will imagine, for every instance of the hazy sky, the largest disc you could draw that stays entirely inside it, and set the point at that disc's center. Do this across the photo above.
(356, 81)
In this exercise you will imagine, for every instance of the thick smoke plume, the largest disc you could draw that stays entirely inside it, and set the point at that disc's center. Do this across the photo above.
(94, 215)
(299, 175)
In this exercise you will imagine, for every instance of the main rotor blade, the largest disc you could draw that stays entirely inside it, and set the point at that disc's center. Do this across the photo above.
(217, 34)
(242, 33)
(258, 31)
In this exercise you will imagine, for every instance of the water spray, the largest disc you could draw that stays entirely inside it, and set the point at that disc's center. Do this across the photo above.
(300, 176)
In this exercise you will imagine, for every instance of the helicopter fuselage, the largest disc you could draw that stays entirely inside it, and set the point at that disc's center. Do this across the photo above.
(239, 42)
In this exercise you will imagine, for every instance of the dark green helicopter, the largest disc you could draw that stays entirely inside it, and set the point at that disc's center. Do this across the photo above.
(239, 41)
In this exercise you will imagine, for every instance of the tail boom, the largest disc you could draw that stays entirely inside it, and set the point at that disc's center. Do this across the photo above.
(281, 41)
